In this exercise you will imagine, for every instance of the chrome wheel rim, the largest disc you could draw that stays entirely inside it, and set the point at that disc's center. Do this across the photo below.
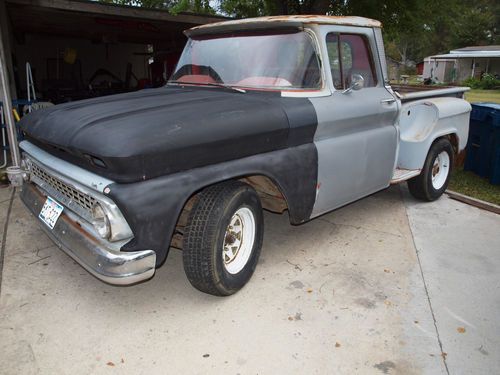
(238, 240)
(440, 170)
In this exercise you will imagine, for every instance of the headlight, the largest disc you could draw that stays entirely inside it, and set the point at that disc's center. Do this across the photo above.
(100, 221)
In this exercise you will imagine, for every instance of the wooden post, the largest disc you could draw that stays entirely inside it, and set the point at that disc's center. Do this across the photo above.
(7, 106)
(6, 31)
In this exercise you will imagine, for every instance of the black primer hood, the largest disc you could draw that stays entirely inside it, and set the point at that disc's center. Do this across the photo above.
(156, 132)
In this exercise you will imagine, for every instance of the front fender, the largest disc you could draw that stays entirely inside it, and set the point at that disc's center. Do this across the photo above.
(422, 122)
(152, 207)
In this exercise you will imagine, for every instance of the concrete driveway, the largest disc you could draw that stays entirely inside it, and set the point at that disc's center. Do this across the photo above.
(384, 286)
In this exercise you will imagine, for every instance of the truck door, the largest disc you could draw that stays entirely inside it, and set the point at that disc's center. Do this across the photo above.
(356, 137)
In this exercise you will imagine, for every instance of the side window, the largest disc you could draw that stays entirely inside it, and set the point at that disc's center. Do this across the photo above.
(354, 57)
(332, 46)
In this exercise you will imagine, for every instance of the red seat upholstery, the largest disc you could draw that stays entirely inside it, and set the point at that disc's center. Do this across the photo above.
(264, 81)
(196, 78)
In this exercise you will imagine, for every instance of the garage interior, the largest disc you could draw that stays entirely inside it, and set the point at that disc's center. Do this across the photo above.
(56, 51)
(82, 49)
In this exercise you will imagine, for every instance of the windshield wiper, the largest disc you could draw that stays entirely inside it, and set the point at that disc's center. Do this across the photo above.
(224, 85)
(227, 87)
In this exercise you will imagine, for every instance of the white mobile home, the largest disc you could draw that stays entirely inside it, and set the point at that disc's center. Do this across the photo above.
(463, 63)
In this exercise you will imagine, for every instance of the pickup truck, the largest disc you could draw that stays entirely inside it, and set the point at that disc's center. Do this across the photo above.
(281, 113)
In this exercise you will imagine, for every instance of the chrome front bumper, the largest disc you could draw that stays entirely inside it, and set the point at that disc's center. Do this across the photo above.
(110, 266)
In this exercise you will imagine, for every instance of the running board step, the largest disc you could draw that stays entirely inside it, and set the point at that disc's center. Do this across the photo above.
(401, 175)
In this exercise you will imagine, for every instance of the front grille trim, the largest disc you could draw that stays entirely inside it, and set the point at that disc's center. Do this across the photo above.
(68, 195)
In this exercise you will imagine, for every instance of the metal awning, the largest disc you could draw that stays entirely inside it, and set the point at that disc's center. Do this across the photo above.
(465, 55)
(93, 20)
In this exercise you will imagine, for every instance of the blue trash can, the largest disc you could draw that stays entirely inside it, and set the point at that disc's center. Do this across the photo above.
(495, 164)
(483, 146)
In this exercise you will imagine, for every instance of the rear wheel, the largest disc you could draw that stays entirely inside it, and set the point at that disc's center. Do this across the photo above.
(223, 238)
(435, 176)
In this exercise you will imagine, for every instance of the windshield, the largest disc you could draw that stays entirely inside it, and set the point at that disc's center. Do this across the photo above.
(285, 60)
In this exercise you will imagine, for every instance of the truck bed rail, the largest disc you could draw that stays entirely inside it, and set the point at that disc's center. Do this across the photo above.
(413, 92)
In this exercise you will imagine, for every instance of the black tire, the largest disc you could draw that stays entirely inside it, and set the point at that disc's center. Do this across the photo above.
(421, 186)
(205, 236)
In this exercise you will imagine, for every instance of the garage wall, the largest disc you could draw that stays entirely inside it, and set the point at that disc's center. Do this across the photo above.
(438, 69)
(38, 48)
(494, 67)
(464, 67)
(491, 65)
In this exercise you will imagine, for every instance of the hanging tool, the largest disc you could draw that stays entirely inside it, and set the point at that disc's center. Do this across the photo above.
(30, 86)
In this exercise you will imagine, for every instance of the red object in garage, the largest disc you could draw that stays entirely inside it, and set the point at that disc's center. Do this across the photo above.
(420, 68)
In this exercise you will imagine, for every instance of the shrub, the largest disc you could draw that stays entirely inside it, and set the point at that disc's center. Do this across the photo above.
(473, 83)
(487, 82)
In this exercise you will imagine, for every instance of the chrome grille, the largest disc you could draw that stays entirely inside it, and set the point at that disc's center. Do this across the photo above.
(74, 199)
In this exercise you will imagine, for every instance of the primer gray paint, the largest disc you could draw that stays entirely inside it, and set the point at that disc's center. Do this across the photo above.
(356, 146)
(356, 137)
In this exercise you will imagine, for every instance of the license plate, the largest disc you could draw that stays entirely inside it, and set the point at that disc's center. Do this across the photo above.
(51, 211)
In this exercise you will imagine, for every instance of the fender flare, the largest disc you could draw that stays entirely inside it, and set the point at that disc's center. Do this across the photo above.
(152, 207)
(439, 117)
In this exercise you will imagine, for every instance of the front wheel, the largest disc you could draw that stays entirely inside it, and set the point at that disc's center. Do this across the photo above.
(223, 238)
(435, 176)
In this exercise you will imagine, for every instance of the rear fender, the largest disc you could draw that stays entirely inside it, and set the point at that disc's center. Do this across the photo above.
(422, 122)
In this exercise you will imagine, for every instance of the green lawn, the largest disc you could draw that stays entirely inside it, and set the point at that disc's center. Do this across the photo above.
(469, 183)
(474, 96)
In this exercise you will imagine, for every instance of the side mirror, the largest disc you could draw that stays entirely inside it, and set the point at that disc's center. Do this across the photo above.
(357, 83)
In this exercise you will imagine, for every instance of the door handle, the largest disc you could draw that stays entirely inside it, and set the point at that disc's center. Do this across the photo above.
(388, 100)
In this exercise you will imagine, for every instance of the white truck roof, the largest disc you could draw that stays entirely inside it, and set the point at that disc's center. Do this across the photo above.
(267, 22)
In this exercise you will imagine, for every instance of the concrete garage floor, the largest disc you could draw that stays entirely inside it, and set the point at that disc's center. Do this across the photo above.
(387, 285)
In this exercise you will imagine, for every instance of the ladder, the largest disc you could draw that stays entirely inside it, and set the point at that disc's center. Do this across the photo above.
(4, 139)
(30, 86)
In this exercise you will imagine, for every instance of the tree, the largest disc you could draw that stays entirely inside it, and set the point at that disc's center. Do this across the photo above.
(476, 23)
(160, 4)
(196, 6)
(174, 6)
(413, 29)
(249, 8)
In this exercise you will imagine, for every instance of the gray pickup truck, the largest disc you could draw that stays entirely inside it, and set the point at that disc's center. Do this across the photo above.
(279, 113)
